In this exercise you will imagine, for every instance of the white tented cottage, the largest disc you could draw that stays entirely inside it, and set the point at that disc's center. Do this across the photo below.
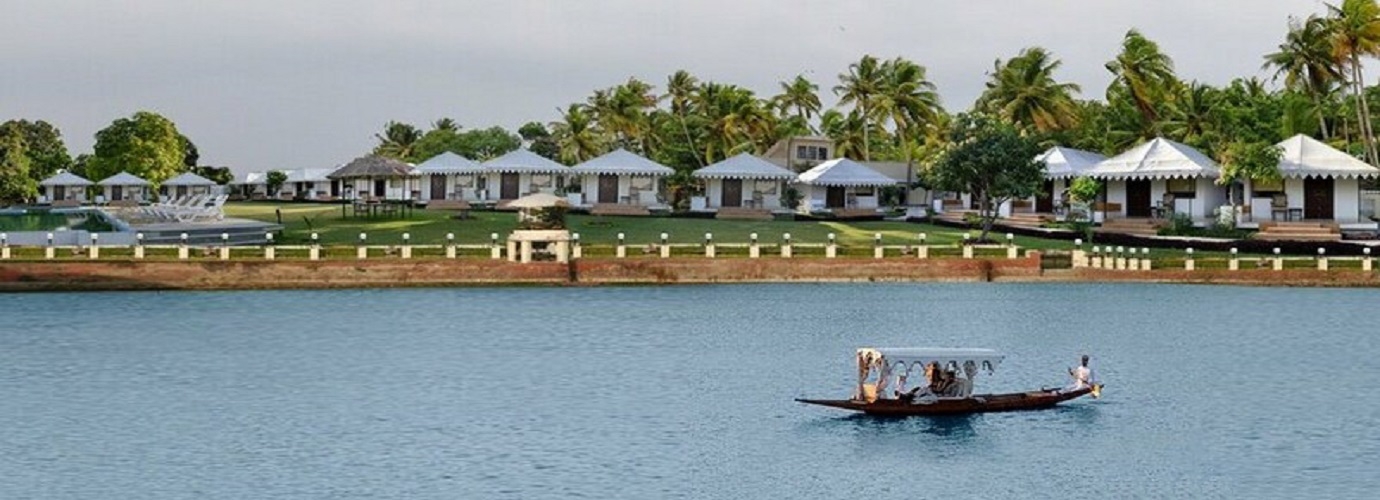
(840, 185)
(1062, 165)
(1318, 183)
(1157, 179)
(124, 188)
(621, 178)
(186, 184)
(742, 182)
(65, 188)
(520, 173)
(449, 176)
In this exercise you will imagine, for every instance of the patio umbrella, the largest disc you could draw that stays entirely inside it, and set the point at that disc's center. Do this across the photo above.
(539, 200)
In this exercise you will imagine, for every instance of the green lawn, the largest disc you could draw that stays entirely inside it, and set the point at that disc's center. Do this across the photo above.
(431, 227)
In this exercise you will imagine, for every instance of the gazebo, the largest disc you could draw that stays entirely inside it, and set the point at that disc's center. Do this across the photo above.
(376, 177)
(1317, 182)
(65, 188)
(539, 235)
(742, 181)
(1159, 177)
(841, 184)
(520, 173)
(451, 177)
(187, 184)
(124, 188)
(623, 178)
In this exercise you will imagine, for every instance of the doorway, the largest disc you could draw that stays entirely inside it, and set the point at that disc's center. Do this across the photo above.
(508, 187)
(1138, 198)
(1318, 198)
(733, 193)
(608, 188)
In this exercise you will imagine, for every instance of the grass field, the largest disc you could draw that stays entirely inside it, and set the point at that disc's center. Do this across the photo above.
(431, 227)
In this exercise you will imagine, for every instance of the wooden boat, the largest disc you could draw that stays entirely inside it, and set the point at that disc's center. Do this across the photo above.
(896, 365)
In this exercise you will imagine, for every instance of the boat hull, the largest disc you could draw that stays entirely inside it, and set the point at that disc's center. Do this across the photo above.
(981, 403)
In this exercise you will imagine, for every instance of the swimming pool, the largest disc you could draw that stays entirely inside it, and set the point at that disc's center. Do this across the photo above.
(49, 220)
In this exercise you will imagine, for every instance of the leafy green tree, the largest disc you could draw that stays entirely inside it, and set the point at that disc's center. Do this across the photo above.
(1023, 91)
(42, 144)
(1355, 29)
(576, 135)
(1249, 160)
(680, 90)
(445, 124)
(860, 88)
(16, 182)
(539, 140)
(476, 144)
(797, 103)
(1306, 63)
(992, 161)
(274, 182)
(190, 155)
(146, 144)
(910, 102)
(219, 175)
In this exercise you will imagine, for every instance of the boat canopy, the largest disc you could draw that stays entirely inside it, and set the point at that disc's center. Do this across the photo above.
(920, 356)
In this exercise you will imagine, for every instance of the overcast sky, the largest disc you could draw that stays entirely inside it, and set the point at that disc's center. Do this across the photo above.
(268, 84)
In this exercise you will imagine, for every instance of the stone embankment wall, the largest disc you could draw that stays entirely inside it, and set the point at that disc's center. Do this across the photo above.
(249, 275)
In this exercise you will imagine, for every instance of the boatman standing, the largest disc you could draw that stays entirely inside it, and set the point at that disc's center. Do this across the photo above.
(1084, 378)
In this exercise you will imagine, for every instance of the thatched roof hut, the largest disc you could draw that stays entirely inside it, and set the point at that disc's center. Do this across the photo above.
(373, 166)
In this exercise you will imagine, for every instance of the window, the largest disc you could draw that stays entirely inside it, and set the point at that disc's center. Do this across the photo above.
(1182, 187)
(1261, 188)
(811, 153)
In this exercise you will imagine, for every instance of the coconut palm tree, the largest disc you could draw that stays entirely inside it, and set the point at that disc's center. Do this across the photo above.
(1023, 91)
(909, 101)
(1145, 73)
(797, 102)
(1355, 30)
(860, 87)
(397, 140)
(737, 120)
(577, 135)
(680, 89)
(1305, 62)
(445, 124)
(1192, 120)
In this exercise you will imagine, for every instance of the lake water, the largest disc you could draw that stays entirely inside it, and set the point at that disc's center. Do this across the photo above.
(680, 392)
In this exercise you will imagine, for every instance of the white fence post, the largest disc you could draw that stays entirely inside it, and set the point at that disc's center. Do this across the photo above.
(831, 250)
(622, 251)
(1278, 264)
(1188, 262)
(665, 246)
(138, 245)
(363, 251)
(754, 251)
(407, 246)
(182, 251)
(877, 250)
(314, 253)
(709, 245)
(922, 251)
(1322, 259)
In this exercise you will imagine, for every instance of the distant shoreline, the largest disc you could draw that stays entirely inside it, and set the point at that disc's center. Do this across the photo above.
(39, 276)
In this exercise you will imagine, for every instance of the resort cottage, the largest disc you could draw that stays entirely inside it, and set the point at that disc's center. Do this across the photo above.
(1062, 165)
(842, 187)
(377, 178)
(186, 184)
(308, 184)
(520, 173)
(743, 183)
(251, 185)
(620, 182)
(1158, 179)
(449, 176)
(1318, 183)
(65, 189)
(124, 189)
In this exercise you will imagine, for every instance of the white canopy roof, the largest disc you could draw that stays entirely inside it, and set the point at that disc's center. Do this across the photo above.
(65, 178)
(1157, 159)
(844, 172)
(189, 179)
(123, 179)
(622, 162)
(744, 166)
(251, 178)
(306, 175)
(539, 200)
(926, 355)
(522, 161)
(449, 163)
(1304, 156)
(1065, 163)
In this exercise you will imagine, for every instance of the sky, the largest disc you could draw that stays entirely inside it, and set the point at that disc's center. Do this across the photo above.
(281, 84)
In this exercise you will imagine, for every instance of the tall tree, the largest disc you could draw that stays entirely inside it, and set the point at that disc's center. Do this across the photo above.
(797, 103)
(909, 101)
(16, 182)
(145, 144)
(539, 140)
(42, 144)
(991, 160)
(1306, 63)
(1144, 75)
(397, 140)
(1023, 91)
(445, 124)
(1355, 28)
(680, 89)
(576, 135)
(860, 87)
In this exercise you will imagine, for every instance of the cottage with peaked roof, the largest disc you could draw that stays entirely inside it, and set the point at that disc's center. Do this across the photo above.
(841, 184)
(622, 178)
(449, 176)
(65, 188)
(1157, 178)
(519, 173)
(742, 182)
(124, 188)
(186, 184)
(1317, 183)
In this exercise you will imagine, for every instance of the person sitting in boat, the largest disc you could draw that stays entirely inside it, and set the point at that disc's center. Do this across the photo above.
(919, 392)
(1083, 376)
(945, 384)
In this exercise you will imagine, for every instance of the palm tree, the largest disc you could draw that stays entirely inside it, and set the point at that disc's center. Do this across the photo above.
(397, 140)
(1023, 91)
(1355, 29)
(845, 130)
(1305, 62)
(1192, 119)
(576, 135)
(445, 124)
(860, 87)
(736, 119)
(680, 89)
(801, 97)
(909, 101)
(1145, 73)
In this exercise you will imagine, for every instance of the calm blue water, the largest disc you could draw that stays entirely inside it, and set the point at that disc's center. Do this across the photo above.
(679, 392)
